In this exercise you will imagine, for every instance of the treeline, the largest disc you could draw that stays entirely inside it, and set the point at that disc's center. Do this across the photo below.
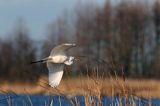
(125, 36)
(16, 53)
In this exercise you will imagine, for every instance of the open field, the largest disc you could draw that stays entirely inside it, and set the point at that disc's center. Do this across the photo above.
(88, 86)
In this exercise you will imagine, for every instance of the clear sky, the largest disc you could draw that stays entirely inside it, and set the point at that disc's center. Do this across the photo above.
(36, 13)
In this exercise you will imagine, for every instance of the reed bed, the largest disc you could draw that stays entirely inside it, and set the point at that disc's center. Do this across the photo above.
(88, 86)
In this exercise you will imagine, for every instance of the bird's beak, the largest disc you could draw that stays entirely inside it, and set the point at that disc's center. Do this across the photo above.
(77, 59)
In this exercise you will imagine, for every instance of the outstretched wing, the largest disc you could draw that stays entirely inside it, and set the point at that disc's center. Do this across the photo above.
(55, 73)
(61, 49)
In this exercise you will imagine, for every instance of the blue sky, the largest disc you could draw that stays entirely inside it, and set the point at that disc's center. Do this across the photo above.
(36, 13)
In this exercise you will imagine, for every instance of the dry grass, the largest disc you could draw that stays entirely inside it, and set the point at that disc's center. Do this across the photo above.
(89, 86)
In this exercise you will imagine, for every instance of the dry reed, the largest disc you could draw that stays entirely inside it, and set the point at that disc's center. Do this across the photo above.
(89, 86)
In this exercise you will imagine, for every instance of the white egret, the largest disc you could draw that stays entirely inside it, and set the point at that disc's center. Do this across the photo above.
(56, 61)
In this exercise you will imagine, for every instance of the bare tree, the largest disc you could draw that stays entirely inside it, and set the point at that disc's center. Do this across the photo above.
(23, 53)
(156, 19)
(6, 60)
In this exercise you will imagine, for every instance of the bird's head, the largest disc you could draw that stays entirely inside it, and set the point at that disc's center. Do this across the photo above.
(70, 60)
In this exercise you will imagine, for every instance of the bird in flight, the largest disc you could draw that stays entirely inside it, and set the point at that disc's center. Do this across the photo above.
(56, 61)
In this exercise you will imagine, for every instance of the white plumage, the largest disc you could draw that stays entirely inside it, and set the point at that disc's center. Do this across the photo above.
(55, 73)
(56, 61)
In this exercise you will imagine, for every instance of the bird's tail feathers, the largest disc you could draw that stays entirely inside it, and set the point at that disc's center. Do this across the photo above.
(41, 61)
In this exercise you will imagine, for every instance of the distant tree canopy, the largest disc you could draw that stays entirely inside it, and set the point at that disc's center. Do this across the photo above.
(122, 36)
(16, 54)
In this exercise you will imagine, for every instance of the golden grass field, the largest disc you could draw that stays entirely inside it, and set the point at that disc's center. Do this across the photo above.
(88, 86)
